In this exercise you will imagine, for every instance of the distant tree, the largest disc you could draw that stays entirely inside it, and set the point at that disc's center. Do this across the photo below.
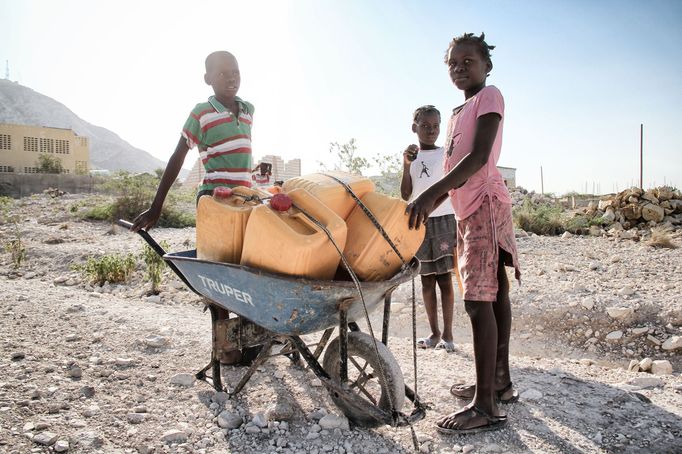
(347, 159)
(391, 172)
(49, 164)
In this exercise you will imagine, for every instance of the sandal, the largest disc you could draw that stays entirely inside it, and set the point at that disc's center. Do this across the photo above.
(426, 342)
(448, 346)
(491, 422)
(466, 392)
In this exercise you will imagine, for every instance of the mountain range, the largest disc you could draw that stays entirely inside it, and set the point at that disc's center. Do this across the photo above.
(22, 105)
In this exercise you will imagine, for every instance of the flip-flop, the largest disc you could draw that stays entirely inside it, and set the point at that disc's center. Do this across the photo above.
(466, 392)
(445, 345)
(426, 342)
(492, 422)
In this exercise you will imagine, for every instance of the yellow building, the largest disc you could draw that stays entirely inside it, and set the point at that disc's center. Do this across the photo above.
(21, 146)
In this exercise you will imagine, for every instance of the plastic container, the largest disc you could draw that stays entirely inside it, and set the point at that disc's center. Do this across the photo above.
(287, 242)
(367, 252)
(330, 192)
(221, 223)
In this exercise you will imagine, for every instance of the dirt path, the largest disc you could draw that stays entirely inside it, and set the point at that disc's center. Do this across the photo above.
(86, 369)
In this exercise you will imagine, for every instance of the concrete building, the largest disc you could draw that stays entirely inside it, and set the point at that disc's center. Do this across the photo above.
(509, 175)
(282, 170)
(21, 146)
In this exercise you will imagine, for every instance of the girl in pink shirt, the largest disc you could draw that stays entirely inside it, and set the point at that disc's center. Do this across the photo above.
(485, 234)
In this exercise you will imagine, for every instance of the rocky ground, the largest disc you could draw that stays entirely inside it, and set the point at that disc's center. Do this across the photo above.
(596, 356)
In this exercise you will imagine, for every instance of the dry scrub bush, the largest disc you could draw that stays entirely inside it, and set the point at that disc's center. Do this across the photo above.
(660, 237)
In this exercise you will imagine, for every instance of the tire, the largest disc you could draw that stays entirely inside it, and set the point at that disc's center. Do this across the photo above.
(361, 349)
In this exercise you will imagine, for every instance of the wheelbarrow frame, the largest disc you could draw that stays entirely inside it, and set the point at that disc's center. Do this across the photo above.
(242, 332)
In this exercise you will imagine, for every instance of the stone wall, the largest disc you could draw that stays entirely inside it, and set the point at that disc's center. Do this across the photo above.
(18, 185)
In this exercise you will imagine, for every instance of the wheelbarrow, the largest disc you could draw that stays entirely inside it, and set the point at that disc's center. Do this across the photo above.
(255, 308)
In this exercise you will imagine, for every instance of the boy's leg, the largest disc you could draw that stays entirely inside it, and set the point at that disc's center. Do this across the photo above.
(484, 329)
(431, 306)
(447, 298)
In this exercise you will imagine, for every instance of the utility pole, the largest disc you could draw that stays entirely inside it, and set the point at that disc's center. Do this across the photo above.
(542, 182)
(641, 156)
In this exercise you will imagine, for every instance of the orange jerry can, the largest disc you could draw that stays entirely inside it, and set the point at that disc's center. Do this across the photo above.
(368, 253)
(330, 192)
(221, 221)
(287, 242)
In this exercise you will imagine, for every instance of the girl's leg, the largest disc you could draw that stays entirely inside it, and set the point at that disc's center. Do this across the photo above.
(484, 330)
(447, 299)
(502, 310)
(431, 306)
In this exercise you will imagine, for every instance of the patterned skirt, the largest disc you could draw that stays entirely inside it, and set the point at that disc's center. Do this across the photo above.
(480, 239)
(436, 254)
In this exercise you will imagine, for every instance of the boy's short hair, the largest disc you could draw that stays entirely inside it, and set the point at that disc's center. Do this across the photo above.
(427, 109)
(210, 57)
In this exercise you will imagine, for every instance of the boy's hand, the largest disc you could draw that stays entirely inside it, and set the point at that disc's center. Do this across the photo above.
(410, 154)
(146, 220)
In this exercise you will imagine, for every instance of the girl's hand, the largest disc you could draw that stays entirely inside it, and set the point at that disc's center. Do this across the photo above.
(419, 210)
(410, 154)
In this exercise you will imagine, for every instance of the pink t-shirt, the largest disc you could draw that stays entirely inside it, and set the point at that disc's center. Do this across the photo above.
(487, 181)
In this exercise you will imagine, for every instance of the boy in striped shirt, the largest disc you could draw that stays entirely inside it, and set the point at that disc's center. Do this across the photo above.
(220, 128)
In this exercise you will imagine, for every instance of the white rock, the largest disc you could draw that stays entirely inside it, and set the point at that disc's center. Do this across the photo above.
(640, 331)
(672, 343)
(61, 446)
(252, 430)
(531, 394)
(156, 299)
(619, 313)
(332, 421)
(260, 420)
(653, 340)
(633, 366)
(155, 341)
(174, 436)
(614, 335)
(645, 364)
(45, 438)
(124, 362)
(646, 381)
(588, 303)
(566, 235)
(186, 380)
(229, 420)
(136, 418)
(315, 382)
(661, 367)
(626, 291)
(594, 265)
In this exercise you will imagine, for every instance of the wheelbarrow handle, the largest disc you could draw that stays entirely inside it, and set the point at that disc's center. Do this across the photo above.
(145, 235)
(159, 250)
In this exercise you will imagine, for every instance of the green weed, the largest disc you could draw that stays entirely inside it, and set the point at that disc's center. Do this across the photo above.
(155, 265)
(108, 268)
(539, 219)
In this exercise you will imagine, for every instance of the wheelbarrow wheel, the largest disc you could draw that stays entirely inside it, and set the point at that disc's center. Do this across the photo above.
(365, 385)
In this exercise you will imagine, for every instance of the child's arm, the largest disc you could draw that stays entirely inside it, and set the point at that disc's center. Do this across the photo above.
(149, 218)
(406, 182)
(422, 206)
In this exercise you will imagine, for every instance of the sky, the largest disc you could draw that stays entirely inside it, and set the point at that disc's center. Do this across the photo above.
(578, 77)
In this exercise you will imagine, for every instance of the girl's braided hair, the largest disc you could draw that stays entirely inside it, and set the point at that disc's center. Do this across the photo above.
(470, 38)
(424, 110)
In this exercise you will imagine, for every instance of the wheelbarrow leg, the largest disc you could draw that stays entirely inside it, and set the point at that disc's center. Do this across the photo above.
(343, 345)
(214, 364)
(260, 359)
(387, 318)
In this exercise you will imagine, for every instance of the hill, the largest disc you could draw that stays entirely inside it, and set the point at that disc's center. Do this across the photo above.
(22, 105)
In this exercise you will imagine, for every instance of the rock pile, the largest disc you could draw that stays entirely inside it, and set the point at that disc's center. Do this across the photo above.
(637, 208)
(519, 195)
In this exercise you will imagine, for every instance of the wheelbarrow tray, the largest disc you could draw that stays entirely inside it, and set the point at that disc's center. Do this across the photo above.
(282, 304)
